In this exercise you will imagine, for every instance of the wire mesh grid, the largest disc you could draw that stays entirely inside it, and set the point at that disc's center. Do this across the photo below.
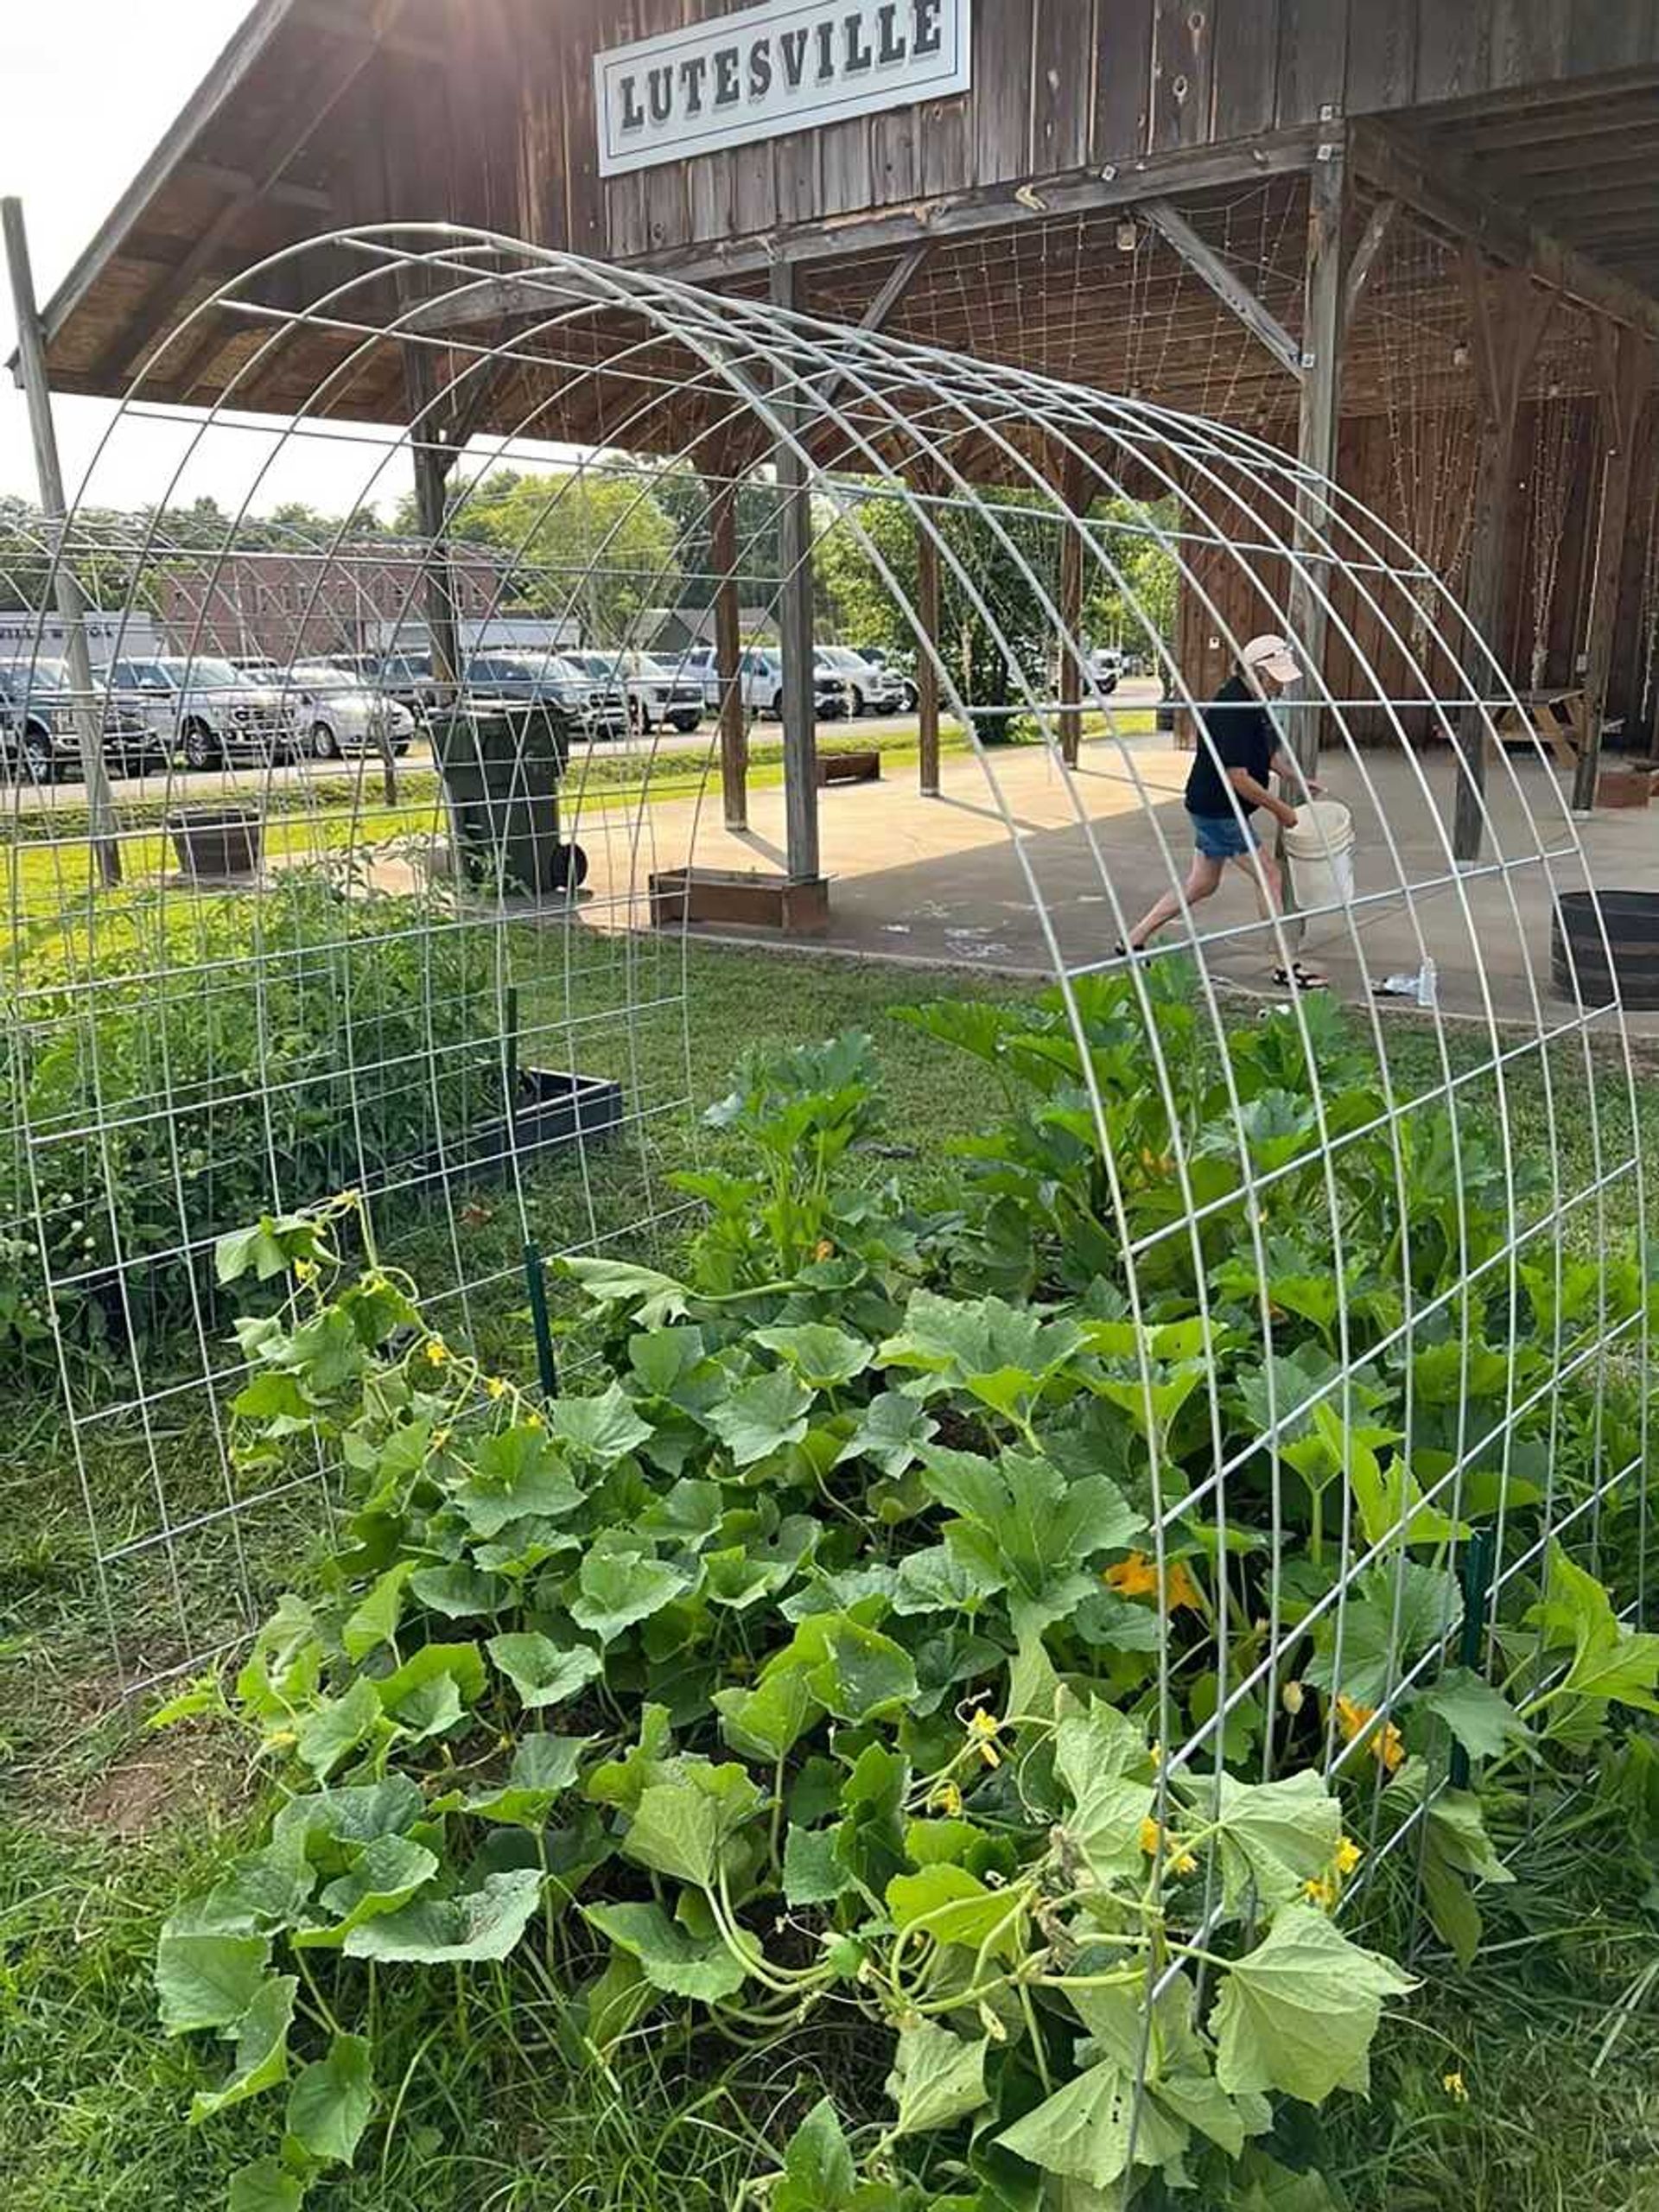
(361, 1011)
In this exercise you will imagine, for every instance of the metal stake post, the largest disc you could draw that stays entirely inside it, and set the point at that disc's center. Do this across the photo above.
(72, 601)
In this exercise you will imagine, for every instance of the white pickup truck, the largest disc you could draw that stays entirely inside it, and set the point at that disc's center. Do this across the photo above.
(210, 710)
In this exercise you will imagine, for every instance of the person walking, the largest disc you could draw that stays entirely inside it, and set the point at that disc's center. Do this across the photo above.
(1238, 754)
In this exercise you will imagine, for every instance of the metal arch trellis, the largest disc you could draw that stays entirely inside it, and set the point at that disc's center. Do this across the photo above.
(355, 908)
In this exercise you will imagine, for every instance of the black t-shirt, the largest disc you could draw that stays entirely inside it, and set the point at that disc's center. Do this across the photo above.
(1235, 731)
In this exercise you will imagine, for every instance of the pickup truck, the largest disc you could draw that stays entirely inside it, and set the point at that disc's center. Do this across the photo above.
(40, 724)
(761, 674)
(209, 711)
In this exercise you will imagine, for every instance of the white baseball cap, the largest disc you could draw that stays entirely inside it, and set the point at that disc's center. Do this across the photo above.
(1273, 656)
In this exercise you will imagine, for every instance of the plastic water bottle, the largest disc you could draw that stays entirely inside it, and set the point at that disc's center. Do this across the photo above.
(1428, 992)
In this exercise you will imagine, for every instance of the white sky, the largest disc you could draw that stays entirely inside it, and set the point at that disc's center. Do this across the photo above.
(88, 88)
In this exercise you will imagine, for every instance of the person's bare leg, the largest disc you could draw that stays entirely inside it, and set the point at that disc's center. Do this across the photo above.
(1203, 879)
(1267, 880)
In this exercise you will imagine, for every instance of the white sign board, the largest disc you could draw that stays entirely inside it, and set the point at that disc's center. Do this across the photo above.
(786, 64)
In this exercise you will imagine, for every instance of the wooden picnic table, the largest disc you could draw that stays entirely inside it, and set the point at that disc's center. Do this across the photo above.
(1558, 718)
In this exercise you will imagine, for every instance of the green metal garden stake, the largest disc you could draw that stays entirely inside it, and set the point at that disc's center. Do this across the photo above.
(1475, 1574)
(536, 1278)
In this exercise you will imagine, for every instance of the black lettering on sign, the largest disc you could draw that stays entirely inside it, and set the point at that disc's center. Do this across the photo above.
(659, 90)
(926, 35)
(693, 70)
(894, 47)
(793, 46)
(727, 87)
(633, 116)
(858, 53)
(760, 69)
(826, 52)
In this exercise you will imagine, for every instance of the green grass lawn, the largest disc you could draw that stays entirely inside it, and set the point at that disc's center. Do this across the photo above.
(1554, 2035)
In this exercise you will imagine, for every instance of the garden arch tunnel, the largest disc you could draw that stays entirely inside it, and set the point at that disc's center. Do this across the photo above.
(988, 511)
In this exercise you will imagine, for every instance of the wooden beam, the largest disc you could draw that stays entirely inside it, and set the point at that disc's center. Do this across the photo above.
(1508, 315)
(899, 281)
(1322, 288)
(1625, 376)
(951, 218)
(319, 93)
(1444, 191)
(1227, 285)
(71, 599)
(795, 633)
(927, 655)
(309, 196)
(1378, 224)
(734, 715)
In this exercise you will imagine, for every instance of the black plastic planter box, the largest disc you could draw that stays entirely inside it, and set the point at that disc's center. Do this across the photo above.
(553, 1106)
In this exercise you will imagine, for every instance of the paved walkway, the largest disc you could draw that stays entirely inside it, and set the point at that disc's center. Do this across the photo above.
(1020, 868)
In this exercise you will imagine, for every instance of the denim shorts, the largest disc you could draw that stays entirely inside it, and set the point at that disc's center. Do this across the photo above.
(1222, 836)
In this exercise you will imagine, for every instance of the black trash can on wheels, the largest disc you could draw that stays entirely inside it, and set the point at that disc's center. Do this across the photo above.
(502, 766)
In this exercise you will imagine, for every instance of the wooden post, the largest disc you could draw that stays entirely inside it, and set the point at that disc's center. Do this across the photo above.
(71, 599)
(795, 635)
(432, 466)
(733, 718)
(927, 656)
(1324, 281)
(1070, 605)
(1624, 361)
(1507, 317)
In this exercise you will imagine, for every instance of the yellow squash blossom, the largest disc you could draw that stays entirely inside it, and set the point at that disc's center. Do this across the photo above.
(1455, 2087)
(1349, 1855)
(1137, 1577)
(1387, 1746)
(1321, 1890)
(437, 1350)
(1154, 1839)
(946, 1799)
(495, 1387)
(982, 1728)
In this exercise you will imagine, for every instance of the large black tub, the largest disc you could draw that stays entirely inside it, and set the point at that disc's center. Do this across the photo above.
(1596, 958)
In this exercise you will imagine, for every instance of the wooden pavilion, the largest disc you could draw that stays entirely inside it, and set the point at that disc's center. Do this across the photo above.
(1417, 243)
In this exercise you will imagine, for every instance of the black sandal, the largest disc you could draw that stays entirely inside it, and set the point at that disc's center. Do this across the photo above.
(1298, 978)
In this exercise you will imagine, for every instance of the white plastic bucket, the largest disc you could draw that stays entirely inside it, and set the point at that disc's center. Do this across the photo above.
(1321, 853)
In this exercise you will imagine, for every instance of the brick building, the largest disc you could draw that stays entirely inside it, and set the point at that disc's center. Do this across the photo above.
(286, 606)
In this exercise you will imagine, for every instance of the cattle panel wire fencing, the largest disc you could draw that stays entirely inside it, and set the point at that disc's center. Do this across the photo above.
(1361, 1284)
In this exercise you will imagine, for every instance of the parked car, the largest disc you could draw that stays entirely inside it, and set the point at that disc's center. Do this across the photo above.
(1105, 665)
(40, 724)
(260, 667)
(211, 711)
(873, 690)
(342, 713)
(407, 678)
(901, 667)
(655, 693)
(760, 675)
(365, 666)
(598, 710)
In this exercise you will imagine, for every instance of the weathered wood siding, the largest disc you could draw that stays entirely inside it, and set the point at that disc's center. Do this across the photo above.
(1058, 86)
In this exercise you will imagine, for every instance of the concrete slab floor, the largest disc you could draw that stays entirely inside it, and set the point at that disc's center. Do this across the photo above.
(1020, 867)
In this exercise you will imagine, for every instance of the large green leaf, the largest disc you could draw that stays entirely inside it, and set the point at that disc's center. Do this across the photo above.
(482, 1923)
(261, 2050)
(761, 1416)
(1083, 2131)
(1397, 1612)
(682, 1964)
(765, 1723)
(389, 1872)
(336, 1728)
(207, 1980)
(265, 2186)
(329, 2104)
(1095, 1755)
(543, 1768)
(813, 1873)
(937, 2078)
(999, 1353)
(460, 1591)
(953, 1906)
(655, 1298)
(375, 1621)
(823, 1356)
(1299, 2011)
(1609, 1661)
(615, 1589)
(681, 1825)
(1481, 1719)
(605, 1429)
(543, 1673)
(855, 1673)
(1023, 1525)
(515, 1473)
(1274, 1836)
(459, 1665)
(891, 1431)
(818, 2172)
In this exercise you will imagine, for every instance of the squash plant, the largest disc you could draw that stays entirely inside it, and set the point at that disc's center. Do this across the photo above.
(849, 1645)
